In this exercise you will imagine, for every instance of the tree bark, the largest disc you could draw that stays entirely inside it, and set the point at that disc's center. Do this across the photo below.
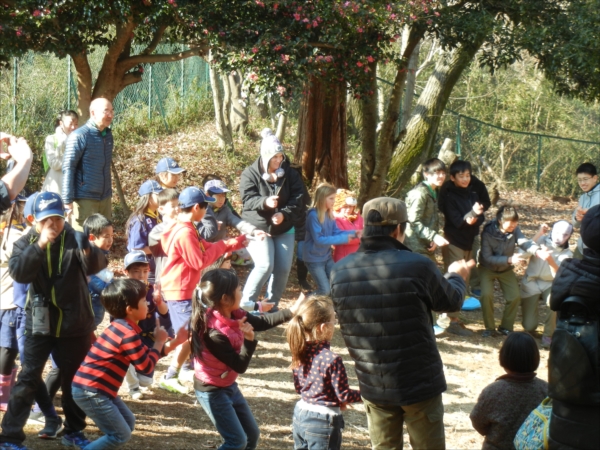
(238, 112)
(84, 85)
(223, 132)
(421, 130)
(409, 90)
(124, 207)
(321, 146)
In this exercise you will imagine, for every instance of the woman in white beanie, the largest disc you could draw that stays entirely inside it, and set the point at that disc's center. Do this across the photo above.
(272, 195)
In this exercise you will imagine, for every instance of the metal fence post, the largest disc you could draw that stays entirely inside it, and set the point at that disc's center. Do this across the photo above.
(150, 92)
(15, 79)
(182, 79)
(539, 162)
(68, 82)
(458, 140)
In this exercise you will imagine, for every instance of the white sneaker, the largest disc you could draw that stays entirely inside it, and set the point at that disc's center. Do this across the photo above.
(187, 376)
(172, 385)
(136, 394)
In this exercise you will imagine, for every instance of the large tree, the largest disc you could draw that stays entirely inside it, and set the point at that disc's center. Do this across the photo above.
(128, 31)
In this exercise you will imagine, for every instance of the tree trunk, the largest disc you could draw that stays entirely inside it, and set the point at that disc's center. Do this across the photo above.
(409, 91)
(226, 105)
(84, 85)
(321, 147)
(421, 130)
(223, 132)
(238, 112)
(281, 124)
(124, 207)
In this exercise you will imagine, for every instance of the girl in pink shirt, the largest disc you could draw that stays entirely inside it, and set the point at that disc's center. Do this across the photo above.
(347, 217)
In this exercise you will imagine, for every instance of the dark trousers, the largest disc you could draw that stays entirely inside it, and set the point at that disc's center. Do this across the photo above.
(69, 354)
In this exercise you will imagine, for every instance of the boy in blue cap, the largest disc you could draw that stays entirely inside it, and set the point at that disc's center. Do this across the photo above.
(167, 173)
(55, 259)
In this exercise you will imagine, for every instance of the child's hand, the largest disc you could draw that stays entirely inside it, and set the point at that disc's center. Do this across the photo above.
(47, 234)
(260, 234)
(266, 306)
(462, 268)
(478, 208)
(277, 218)
(440, 241)
(271, 202)
(579, 213)
(471, 220)
(247, 329)
(181, 336)
(359, 234)
(544, 228)
(160, 334)
(543, 254)
(517, 258)
(296, 306)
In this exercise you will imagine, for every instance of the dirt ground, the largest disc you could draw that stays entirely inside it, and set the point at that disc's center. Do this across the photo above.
(172, 421)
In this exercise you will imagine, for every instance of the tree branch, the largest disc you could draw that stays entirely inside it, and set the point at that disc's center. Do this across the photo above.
(155, 40)
(133, 61)
(131, 78)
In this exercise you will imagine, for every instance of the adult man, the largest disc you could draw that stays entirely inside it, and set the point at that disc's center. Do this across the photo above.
(14, 181)
(383, 296)
(87, 187)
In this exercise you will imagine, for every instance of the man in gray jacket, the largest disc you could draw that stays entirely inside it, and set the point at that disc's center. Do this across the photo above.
(87, 183)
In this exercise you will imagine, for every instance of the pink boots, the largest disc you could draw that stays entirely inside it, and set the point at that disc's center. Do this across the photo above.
(6, 384)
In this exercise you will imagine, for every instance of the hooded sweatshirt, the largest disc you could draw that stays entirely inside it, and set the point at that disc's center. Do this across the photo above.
(586, 201)
(457, 206)
(186, 255)
(497, 246)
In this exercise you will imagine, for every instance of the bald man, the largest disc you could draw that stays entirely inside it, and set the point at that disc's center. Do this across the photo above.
(87, 184)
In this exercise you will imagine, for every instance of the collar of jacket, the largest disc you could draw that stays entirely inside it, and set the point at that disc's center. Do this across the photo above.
(93, 125)
(518, 377)
(381, 243)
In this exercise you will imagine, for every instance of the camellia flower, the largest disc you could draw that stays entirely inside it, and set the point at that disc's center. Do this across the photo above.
(370, 59)
(37, 13)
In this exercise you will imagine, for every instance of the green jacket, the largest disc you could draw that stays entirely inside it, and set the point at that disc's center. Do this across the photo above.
(425, 220)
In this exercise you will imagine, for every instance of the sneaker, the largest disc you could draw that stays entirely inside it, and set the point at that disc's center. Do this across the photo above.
(136, 394)
(459, 329)
(11, 446)
(187, 376)
(504, 331)
(546, 341)
(52, 428)
(437, 330)
(77, 440)
(36, 418)
(488, 333)
(172, 385)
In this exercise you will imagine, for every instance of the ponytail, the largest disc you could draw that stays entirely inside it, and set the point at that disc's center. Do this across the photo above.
(197, 326)
(296, 338)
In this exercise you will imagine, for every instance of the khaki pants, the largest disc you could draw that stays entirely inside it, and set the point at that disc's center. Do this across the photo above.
(85, 207)
(530, 307)
(424, 422)
(451, 253)
(510, 289)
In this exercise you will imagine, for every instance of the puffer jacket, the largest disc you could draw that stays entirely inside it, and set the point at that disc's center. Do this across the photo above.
(497, 247)
(71, 313)
(86, 164)
(424, 219)
(457, 206)
(383, 296)
(225, 215)
(586, 201)
(254, 190)
(576, 277)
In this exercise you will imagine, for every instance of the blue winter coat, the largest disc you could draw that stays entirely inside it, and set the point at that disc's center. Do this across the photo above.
(321, 236)
(86, 164)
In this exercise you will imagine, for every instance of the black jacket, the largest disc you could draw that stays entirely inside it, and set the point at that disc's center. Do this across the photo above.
(576, 278)
(497, 247)
(71, 313)
(4, 198)
(457, 205)
(383, 296)
(254, 190)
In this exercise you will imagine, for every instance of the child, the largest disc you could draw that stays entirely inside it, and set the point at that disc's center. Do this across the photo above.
(319, 377)
(539, 275)
(223, 343)
(137, 268)
(347, 217)
(187, 255)
(424, 221)
(167, 173)
(101, 374)
(168, 208)
(463, 213)
(101, 235)
(587, 177)
(503, 406)
(142, 220)
(496, 262)
(321, 234)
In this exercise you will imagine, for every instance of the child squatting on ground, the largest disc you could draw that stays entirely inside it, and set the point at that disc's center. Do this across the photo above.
(222, 344)
(505, 404)
(319, 377)
(101, 374)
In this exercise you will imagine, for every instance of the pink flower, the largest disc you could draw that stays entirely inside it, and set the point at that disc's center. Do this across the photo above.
(359, 64)
(285, 58)
(436, 13)
(360, 30)
(37, 13)
(277, 48)
(254, 50)
(253, 77)
(259, 3)
(315, 23)
(370, 59)
(281, 90)
(329, 58)
(19, 32)
(296, 16)
(221, 33)
(305, 20)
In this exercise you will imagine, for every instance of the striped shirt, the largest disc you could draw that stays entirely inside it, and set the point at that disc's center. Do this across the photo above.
(107, 361)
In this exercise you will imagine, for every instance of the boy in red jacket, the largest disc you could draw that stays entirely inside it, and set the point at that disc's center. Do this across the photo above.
(187, 255)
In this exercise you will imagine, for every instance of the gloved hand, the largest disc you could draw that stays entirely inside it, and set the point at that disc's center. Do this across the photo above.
(83, 240)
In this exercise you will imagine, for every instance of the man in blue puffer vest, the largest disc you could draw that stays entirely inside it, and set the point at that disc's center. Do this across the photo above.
(87, 187)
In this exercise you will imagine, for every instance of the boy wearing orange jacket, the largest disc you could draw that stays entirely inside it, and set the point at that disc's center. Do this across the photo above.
(187, 255)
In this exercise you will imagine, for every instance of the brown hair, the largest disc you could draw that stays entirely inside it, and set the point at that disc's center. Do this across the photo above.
(323, 191)
(312, 313)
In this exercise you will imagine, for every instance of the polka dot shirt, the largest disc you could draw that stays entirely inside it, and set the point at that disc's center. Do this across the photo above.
(323, 380)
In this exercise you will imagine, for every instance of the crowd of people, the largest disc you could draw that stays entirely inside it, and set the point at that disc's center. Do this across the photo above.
(375, 272)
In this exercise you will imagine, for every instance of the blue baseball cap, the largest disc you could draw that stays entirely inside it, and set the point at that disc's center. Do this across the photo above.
(193, 195)
(168, 165)
(28, 209)
(48, 204)
(215, 187)
(136, 256)
(150, 187)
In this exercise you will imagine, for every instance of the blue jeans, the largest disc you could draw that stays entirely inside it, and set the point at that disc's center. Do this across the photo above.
(229, 412)
(321, 271)
(316, 431)
(272, 258)
(112, 416)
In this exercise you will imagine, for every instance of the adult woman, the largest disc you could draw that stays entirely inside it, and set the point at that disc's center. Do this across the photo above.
(272, 194)
(54, 149)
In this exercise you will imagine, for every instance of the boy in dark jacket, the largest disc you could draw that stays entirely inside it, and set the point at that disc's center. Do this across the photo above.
(463, 213)
(55, 259)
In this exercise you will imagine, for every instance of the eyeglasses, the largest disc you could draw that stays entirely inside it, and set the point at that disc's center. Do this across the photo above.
(584, 180)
